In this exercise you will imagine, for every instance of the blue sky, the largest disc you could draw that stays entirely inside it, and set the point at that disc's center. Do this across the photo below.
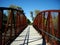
(31, 5)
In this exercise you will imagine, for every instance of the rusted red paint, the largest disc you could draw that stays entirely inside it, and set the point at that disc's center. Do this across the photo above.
(18, 25)
(49, 26)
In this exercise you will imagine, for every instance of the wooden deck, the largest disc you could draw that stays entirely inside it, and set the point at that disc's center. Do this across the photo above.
(28, 37)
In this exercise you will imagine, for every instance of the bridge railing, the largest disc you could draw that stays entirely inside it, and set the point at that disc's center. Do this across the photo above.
(48, 24)
(12, 23)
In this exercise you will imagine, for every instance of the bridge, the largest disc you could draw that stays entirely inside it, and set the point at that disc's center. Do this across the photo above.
(14, 29)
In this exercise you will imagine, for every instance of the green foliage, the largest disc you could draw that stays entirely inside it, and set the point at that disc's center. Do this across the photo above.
(55, 22)
(36, 12)
(28, 21)
(15, 7)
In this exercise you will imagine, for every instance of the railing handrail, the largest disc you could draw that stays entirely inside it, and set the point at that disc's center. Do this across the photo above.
(50, 11)
(52, 36)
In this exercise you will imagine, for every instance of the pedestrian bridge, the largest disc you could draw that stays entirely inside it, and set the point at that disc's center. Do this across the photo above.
(14, 29)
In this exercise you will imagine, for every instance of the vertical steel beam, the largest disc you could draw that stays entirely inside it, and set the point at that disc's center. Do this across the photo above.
(58, 34)
(17, 15)
(11, 23)
(48, 26)
(1, 17)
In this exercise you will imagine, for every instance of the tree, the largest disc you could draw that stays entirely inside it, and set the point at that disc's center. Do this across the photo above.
(36, 12)
(32, 15)
(15, 7)
(28, 21)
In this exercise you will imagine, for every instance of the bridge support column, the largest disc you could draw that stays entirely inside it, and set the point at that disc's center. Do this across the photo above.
(58, 31)
(1, 16)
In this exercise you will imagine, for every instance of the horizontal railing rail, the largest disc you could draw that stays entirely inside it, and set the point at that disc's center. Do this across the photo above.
(50, 35)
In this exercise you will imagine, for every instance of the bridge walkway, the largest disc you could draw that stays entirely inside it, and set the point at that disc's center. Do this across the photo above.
(28, 37)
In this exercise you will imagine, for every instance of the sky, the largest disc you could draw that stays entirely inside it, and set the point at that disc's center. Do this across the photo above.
(32, 5)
